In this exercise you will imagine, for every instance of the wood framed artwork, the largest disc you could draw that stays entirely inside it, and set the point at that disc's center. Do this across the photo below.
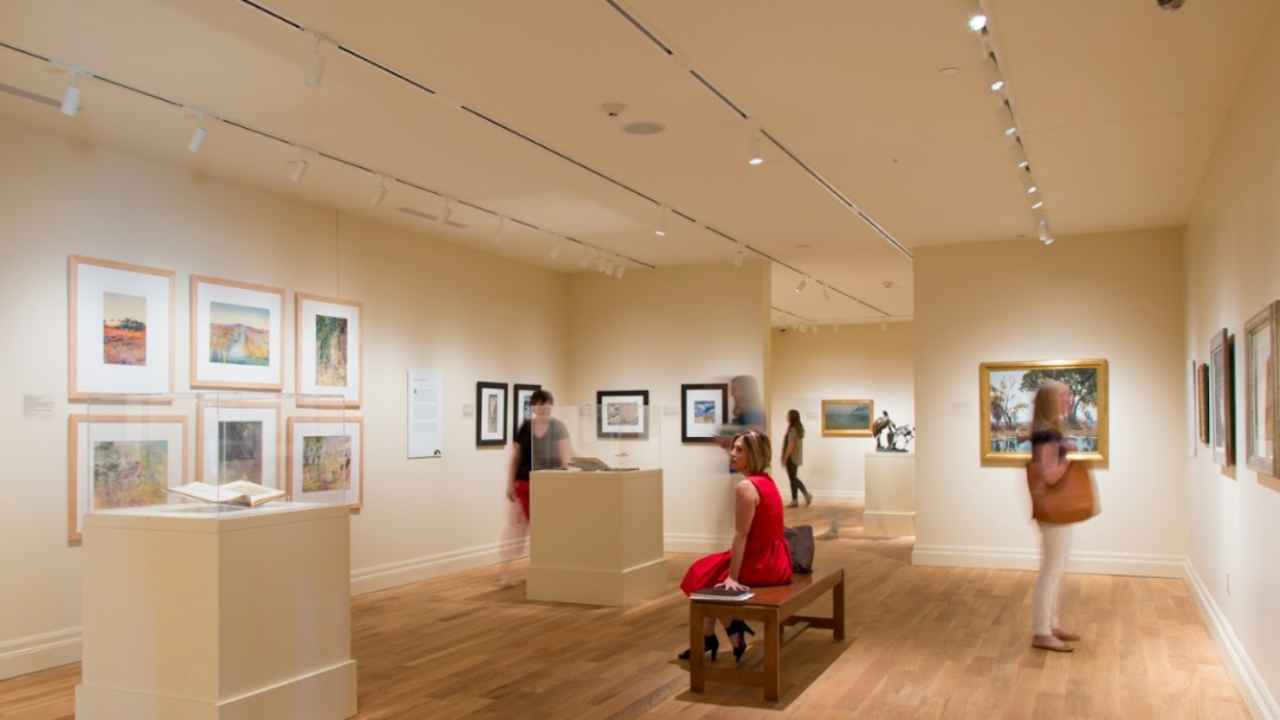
(1007, 393)
(847, 418)
(117, 461)
(1222, 406)
(622, 414)
(121, 329)
(491, 414)
(522, 410)
(1262, 391)
(1193, 422)
(237, 335)
(330, 348)
(1202, 402)
(704, 409)
(325, 462)
(238, 440)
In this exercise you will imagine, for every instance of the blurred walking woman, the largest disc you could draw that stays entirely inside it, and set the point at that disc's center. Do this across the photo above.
(793, 458)
(542, 443)
(1049, 453)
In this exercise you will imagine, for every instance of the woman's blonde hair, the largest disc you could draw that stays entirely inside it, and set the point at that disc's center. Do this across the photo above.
(756, 446)
(1046, 414)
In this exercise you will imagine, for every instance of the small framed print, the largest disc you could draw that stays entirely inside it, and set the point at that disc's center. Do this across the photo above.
(119, 462)
(238, 440)
(623, 414)
(847, 417)
(1193, 422)
(523, 408)
(1202, 403)
(326, 460)
(1222, 393)
(491, 414)
(703, 411)
(1262, 391)
(237, 335)
(121, 329)
(330, 354)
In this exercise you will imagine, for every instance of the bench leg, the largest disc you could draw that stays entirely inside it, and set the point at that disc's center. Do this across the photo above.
(837, 609)
(772, 657)
(697, 682)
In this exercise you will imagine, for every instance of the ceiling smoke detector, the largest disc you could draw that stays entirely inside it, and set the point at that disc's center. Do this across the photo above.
(643, 127)
(613, 109)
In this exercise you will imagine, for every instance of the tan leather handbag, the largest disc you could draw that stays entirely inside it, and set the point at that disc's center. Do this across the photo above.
(1070, 500)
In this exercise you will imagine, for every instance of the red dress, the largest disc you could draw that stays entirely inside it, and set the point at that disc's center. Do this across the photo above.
(767, 559)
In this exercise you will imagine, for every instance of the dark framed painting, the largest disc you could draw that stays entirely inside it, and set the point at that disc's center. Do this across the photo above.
(704, 409)
(1262, 392)
(1222, 431)
(1007, 396)
(847, 418)
(1202, 403)
(491, 414)
(523, 408)
(622, 414)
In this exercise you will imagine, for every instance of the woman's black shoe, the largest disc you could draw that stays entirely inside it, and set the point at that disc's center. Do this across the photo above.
(710, 643)
(741, 629)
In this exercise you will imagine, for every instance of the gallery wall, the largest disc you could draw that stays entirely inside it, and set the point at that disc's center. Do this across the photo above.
(868, 361)
(427, 305)
(1116, 297)
(1233, 271)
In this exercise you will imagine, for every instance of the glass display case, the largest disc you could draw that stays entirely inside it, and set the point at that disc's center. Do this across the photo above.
(614, 436)
(211, 453)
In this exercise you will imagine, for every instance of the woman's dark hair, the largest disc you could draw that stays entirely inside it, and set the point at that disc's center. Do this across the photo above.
(793, 420)
(542, 397)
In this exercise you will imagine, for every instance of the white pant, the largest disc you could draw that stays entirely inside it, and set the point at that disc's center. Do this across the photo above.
(1053, 562)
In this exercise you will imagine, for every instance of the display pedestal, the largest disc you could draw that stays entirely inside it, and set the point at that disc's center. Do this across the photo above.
(596, 537)
(891, 494)
(193, 614)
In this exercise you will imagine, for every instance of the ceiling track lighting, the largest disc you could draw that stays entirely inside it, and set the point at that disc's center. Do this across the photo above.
(804, 280)
(991, 73)
(1019, 154)
(497, 230)
(71, 98)
(662, 222)
(826, 294)
(1043, 233)
(299, 167)
(379, 192)
(586, 258)
(446, 212)
(1028, 182)
(198, 135)
(621, 269)
(754, 157)
(737, 258)
(315, 66)
(1004, 113)
(974, 15)
(555, 250)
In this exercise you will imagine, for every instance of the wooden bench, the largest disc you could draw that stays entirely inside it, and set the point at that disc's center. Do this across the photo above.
(776, 607)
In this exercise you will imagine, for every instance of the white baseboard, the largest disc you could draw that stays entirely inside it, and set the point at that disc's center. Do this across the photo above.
(1252, 687)
(840, 496)
(686, 543)
(39, 652)
(1097, 563)
(403, 572)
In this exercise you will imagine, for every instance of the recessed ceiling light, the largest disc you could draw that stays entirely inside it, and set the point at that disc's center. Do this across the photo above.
(643, 127)
(949, 71)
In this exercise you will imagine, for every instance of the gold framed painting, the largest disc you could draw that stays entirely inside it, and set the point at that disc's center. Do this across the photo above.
(847, 418)
(1007, 394)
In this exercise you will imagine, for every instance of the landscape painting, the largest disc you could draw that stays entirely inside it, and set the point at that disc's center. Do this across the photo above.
(702, 411)
(326, 460)
(240, 451)
(326, 463)
(120, 338)
(331, 351)
(623, 414)
(1008, 399)
(847, 417)
(130, 473)
(124, 329)
(239, 334)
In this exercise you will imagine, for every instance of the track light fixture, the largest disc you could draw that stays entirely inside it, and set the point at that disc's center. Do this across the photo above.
(1004, 113)
(299, 167)
(71, 98)
(662, 222)
(1028, 182)
(442, 218)
(991, 73)
(585, 260)
(754, 157)
(379, 192)
(825, 294)
(555, 250)
(621, 269)
(198, 135)
(1019, 154)
(315, 67)
(737, 258)
(1045, 236)
(804, 280)
(497, 229)
(974, 16)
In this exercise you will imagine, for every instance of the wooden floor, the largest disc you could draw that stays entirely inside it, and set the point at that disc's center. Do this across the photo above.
(922, 643)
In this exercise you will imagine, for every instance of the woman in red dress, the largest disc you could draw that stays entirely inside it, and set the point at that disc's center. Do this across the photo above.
(760, 554)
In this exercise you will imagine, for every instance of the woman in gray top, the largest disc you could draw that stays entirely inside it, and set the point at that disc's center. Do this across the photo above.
(793, 458)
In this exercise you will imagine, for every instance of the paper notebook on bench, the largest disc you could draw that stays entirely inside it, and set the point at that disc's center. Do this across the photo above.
(711, 594)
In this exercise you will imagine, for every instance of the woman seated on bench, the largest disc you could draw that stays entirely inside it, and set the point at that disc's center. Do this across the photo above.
(760, 554)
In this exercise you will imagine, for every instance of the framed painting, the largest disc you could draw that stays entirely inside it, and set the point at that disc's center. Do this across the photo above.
(1202, 403)
(237, 335)
(523, 408)
(1222, 407)
(330, 352)
(622, 414)
(1193, 423)
(238, 440)
(703, 410)
(325, 461)
(1262, 392)
(119, 462)
(847, 418)
(1007, 393)
(121, 329)
(491, 414)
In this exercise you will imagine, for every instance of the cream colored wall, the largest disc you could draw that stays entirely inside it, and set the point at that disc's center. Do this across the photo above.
(1116, 297)
(858, 362)
(1233, 271)
(656, 330)
(427, 305)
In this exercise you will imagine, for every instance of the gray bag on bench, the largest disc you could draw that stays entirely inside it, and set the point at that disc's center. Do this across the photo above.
(801, 541)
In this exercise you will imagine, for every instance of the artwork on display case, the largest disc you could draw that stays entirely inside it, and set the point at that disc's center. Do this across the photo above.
(238, 440)
(1262, 391)
(849, 418)
(491, 414)
(121, 332)
(523, 409)
(1202, 403)
(1222, 431)
(326, 460)
(1007, 395)
(237, 335)
(704, 409)
(120, 462)
(622, 414)
(330, 351)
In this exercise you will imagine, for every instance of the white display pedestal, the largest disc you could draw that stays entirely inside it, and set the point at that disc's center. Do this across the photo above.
(596, 537)
(891, 494)
(192, 614)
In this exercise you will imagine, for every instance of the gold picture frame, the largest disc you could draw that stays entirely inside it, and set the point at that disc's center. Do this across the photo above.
(1262, 391)
(848, 418)
(1007, 391)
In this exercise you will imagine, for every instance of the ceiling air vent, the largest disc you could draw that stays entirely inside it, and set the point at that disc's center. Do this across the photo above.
(643, 127)
(428, 216)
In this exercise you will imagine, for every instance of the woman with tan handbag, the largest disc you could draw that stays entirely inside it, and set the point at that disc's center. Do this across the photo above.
(1048, 466)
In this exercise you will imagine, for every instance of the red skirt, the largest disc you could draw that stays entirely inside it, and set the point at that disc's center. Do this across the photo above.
(770, 567)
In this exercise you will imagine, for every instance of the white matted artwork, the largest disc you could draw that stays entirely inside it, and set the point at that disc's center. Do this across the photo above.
(330, 348)
(238, 440)
(326, 460)
(237, 335)
(623, 414)
(118, 462)
(491, 414)
(121, 329)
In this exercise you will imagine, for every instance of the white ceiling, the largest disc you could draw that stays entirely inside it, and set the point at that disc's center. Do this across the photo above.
(496, 103)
